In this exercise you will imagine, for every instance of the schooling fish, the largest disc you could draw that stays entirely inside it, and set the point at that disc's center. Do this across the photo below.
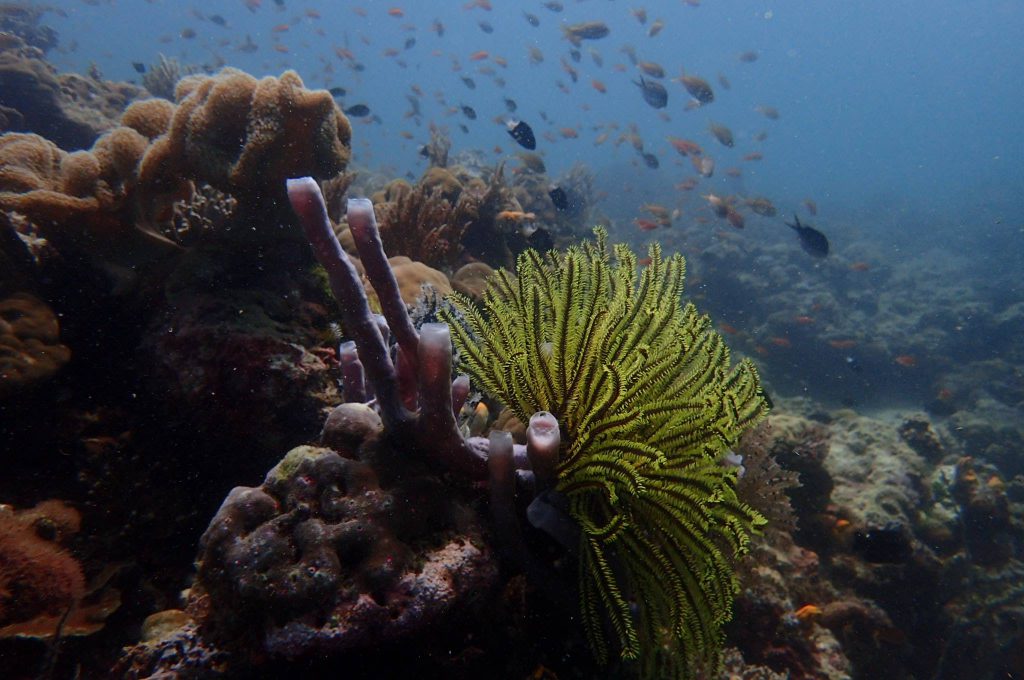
(511, 105)
(522, 133)
(337, 91)
(650, 160)
(698, 88)
(812, 241)
(468, 112)
(357, 110)
(654, 93)
(139, 67)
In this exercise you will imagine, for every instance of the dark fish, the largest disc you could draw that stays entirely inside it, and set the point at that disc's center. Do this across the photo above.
(531, 19)
(698, 88)
(279, 3)
(337, 91)
(554, 6)
(588, 30)
(248, 46)
(558, 197)
(486, 27)
(410, 43)
(465, 130)
(468, 112)
(357, 110)
(654, 93)
(650, 160)
(812, 241)
(522, 133)
(139, 67)
(469, 82)
(575, 54)
(218, 19)
(722, 134)
(511, 105)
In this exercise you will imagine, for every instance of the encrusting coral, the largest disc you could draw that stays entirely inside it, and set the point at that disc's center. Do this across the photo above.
(30, 347)
(38, 578)
(647, 406)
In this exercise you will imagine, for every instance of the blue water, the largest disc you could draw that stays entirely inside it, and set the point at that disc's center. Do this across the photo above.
(910, 105)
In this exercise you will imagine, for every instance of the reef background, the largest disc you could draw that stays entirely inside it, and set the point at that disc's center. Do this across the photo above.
(895, 365)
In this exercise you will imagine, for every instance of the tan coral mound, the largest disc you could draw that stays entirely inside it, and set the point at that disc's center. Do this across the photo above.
(243, 135)
(30, 348)
(411, 277)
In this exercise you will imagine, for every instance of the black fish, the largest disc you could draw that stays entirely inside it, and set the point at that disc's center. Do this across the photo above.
(522, 133)
(468, 112)
(357, 111)
(651, 160)
(554, 6)
(337, 91)
(511, 105)
(654, 93)
(410, 43)
(575, 54)
(465, 130)
(279, 3)
(218, 19)
(812, 241)
(531, 19)
(139, 67)
(559, 198)
(469, 82)
(486, 27)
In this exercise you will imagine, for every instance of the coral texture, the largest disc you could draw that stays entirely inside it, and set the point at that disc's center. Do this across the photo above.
(277, 127)
(30, 347)
(38, 578)
(325, 558)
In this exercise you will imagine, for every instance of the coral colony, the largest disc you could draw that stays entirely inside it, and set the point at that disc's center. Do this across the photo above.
(639, 384)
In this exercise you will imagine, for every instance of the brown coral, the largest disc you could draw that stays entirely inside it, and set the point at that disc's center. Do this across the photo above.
(412, 276)
(425, 225)
(37, 577)
(30, 348)
(246, 136)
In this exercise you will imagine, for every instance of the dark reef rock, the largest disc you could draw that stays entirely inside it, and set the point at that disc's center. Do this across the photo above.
(322, 558)
(68, 109)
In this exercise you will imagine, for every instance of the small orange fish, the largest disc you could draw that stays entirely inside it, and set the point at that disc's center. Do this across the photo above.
(803, 320)
(281, 28)
(807, 612)
(860, 267)
(283, 49)
(515, 215)
(728, 328)
(396, 12)
(644, 261)
(906, 360)
(312, 14)
(841, 524)
(780, 342)
(568, 133)
(645, 225)
(755, 156)
(944, 394)
(599, 86)
(479, 55)
(842, 344)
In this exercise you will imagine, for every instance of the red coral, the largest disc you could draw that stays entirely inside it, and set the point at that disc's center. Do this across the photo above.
(37, 576)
